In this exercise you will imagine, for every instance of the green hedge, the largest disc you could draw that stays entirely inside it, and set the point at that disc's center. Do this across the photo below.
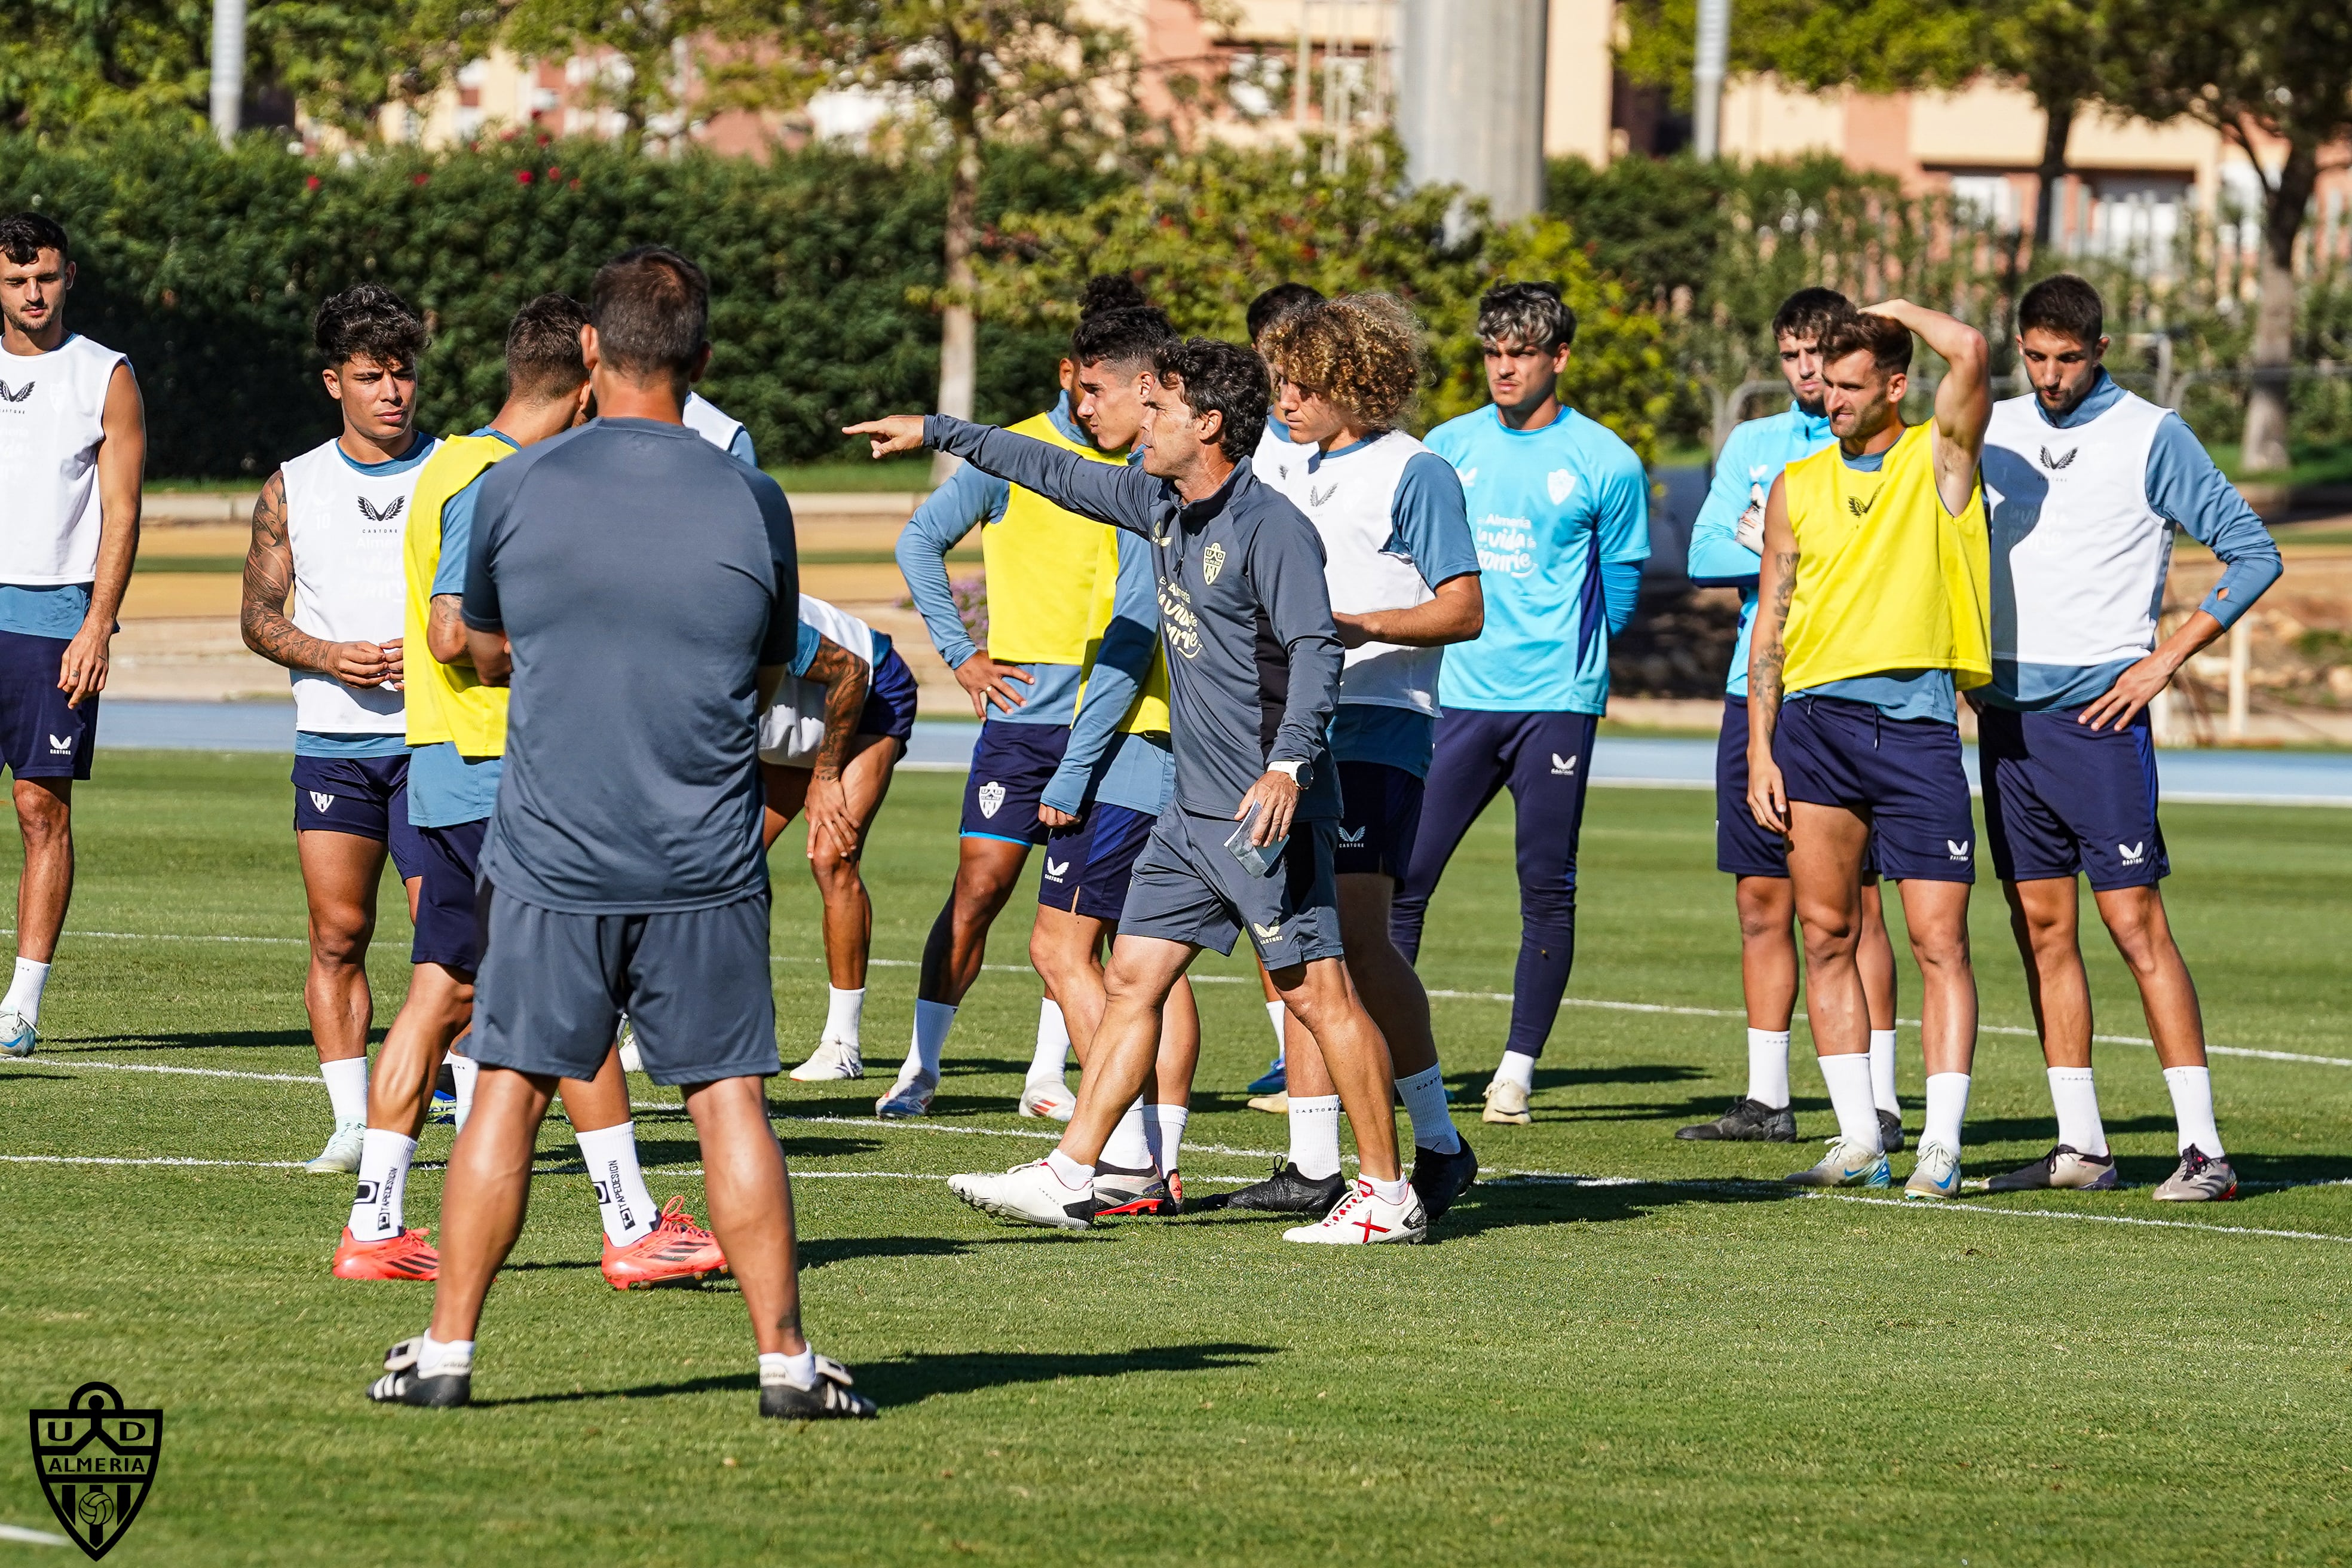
(205, 266)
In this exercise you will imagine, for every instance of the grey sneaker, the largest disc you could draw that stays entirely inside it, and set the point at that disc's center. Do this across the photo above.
(1846, 1165)
(2202, 1178)
(2064, 1166)
(1747, 1121)
(1937, 1174)
(1890, 1131)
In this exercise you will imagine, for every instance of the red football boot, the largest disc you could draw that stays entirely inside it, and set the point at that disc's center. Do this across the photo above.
(676, 1248)
(407, 1256)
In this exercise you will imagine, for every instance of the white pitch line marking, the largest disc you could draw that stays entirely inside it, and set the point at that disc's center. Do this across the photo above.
(18, 1532)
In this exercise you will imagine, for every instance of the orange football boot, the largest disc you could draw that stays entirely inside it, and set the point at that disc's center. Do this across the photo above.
(407, 1256)
(676, 1248)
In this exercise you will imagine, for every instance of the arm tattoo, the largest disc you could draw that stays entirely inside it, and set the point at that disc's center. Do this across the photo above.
(1772, 654)
(443, 620)
(268, 579)
(846, 678)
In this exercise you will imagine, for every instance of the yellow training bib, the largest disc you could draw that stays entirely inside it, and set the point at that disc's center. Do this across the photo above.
(1040, 562)
(1148, 715)
(1887, 579)
(445, 703)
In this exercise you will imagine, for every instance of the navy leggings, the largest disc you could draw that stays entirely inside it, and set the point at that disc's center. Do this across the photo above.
(1543, 760)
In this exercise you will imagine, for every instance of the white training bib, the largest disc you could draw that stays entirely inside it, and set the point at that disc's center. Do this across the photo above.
(710, 422)
(346, 528)
(1350, 498)
(791, 729)
(52, 412)
(2079, 556)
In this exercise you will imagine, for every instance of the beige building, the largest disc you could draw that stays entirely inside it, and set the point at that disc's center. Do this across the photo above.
(1288, 66)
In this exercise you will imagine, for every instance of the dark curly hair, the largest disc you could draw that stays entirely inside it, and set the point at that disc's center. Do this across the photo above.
(1130, 336)
(1810, 313)
(23, 235)
(368, 319)
(1212, 375)
(1110, 291)
(1359, 351)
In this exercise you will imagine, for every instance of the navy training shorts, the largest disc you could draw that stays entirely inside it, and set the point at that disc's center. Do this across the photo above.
(1011, 766)
(693, 983)
(2062, 798)
(448, 925)
(1903, 775)
(890, 700)
(1088, 867)
(40, 737)
(1187, 887)
(364, 797)
(1743, 846)
(1379, 813)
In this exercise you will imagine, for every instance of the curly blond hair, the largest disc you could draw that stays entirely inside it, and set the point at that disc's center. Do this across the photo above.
(1360, 352)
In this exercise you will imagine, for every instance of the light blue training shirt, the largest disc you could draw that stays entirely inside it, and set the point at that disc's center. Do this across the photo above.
(1560, 515)
(328, 743)
(2188, 490)
(1753, 455)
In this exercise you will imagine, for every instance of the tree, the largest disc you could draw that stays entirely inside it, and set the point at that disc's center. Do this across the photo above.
(1205, 233)
(70, 65)
(2276, 79)
(977, 70)
(2060, 51)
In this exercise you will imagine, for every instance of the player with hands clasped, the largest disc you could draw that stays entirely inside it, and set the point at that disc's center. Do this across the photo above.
(1254, 661)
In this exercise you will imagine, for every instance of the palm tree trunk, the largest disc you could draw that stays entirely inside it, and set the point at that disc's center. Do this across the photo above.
(959, 330)
(2264, 446)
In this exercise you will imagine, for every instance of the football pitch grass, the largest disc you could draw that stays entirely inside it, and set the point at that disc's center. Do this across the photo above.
(1621, 1349)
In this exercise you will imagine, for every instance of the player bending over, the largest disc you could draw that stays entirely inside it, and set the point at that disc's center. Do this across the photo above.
(639, 590)
(1254, 665)
(69, 466)
(1560, 510)
(829, 744)
(1023, 687)
(1872, 608)
(456, 732)
(1403, 578)
(1726, 548)
(328, 530)
(2086, 483)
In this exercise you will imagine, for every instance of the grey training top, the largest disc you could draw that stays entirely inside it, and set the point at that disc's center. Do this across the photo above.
(643, 577)
(1253, 656)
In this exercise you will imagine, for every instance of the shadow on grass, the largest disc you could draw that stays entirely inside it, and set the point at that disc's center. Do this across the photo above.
(825, 1251)
(910, 1380)
(220, 1040)
(1508, 1202)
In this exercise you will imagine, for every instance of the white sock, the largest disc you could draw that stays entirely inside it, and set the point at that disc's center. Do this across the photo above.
(2192, 1107)
(1275, 1014)
(1051, 1057)
(800, 1370)
(1947, 1101)
(1424, 1102)
(1315, 1135)
(1126, 1148)
(610, 1154)
(376, 1213)
(464, 1072)
(1389, 1192)
(434, 1359)
(25, 991)
(1068, 1171)
(1163, 1130)
(2076, 1101)
(1881, 1071)
(1848, 1079)
(932, 1021)
(1768, 1067)
(1518, 1068)
(844, 1012)
(346, 1088)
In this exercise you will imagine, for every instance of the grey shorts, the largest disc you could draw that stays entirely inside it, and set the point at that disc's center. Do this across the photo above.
(695, 984)
(1186, 887)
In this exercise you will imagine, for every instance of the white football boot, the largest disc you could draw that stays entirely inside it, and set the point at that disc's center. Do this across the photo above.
(1363, 1218)
(1029, 1194)
(1049, 1098)
(832, 1060)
